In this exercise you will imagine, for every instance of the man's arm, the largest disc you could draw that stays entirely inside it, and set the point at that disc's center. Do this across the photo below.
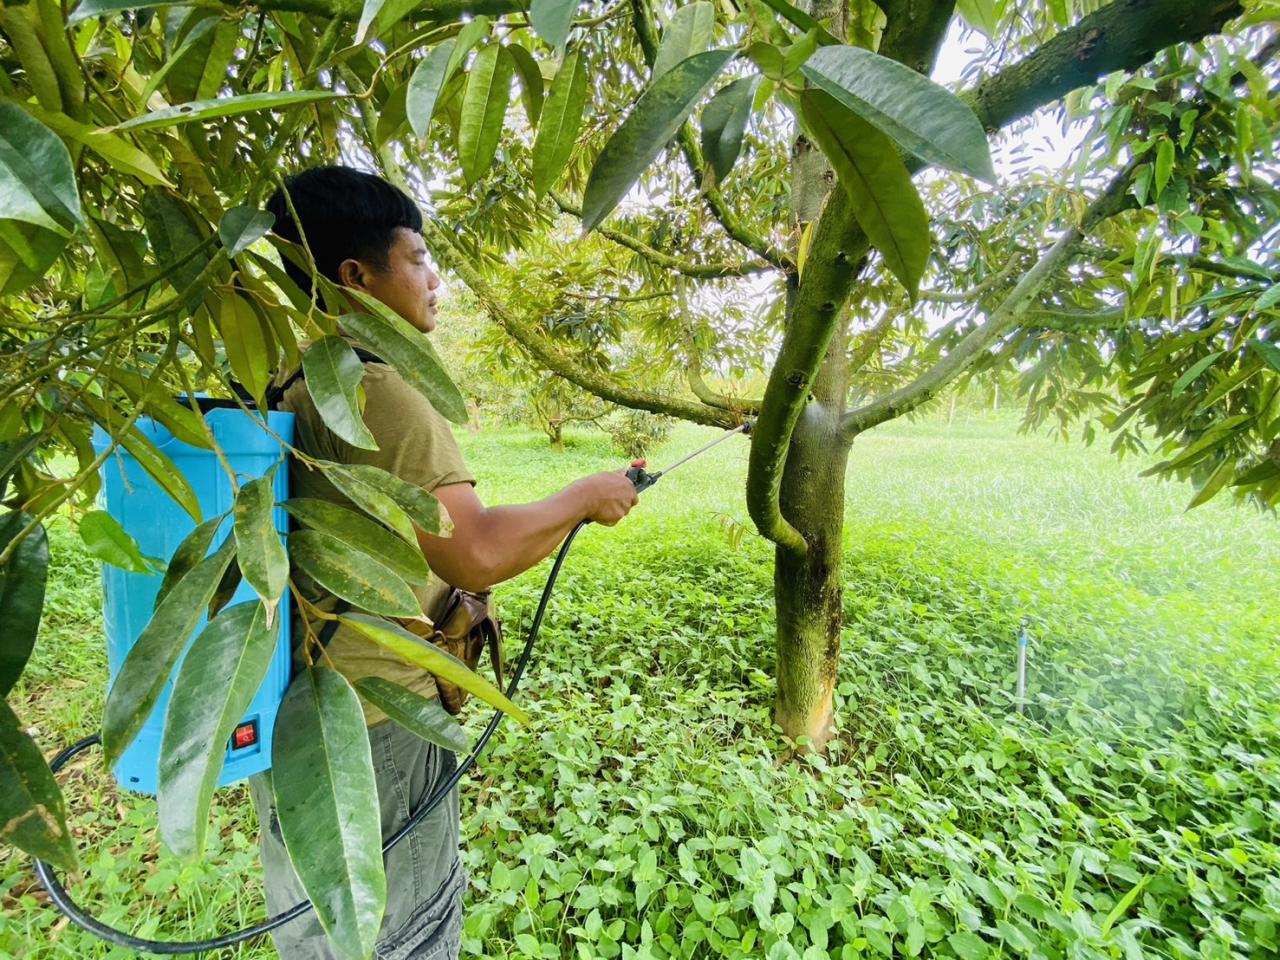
(492, 544)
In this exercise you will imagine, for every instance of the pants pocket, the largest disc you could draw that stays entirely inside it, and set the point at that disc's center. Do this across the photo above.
(434, 930)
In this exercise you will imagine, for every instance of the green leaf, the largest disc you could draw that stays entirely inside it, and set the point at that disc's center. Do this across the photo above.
(561, 119)
(724, 120)
(26, 254)
(32, 814)
(241, 226)
(531, 82)
(158, 466)
(116, 150)
(1220, 477)
(245, 341)
(179, 420)
(689, 32)
(425, 85)
(226, 589)
(223, 107)
(968, 946)
(214, 68)
(175, 234)
(924, 118)
(1267, 299)
(39, 202)
(980, 14)
(390, 336)
(799, 18)
(1164, 164)
(333, 374)
(484, 104)
(197, 42)
(1257, 473)
(362, 534)
(98, 8)
(215, 685)
(656, 118)
(367, 15)
(194, 548)
(106, 539)
(414, 502)
(13, 452)
(430, 657)
(149, 662)
(365, 490)
(37, 183)
(1268, 352)
(876, 180)
(327, 802)
(1122, 905)
(261, 555)
(1197, 368)
(22, 583)
(472, 33)
(552, 19)
(422, 716)
(354, 576)
(779, 63)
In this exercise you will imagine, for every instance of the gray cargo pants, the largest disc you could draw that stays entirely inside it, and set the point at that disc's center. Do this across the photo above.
(425, 878)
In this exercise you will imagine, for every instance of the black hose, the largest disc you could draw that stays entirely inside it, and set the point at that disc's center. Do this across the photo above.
(62, 899)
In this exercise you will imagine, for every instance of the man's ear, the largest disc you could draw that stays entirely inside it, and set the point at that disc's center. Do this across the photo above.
(351, 273)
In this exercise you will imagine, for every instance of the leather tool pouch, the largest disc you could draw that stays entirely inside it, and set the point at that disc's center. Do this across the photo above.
(466, 626)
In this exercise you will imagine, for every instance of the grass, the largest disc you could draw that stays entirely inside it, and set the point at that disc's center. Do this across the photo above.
(1131, 812)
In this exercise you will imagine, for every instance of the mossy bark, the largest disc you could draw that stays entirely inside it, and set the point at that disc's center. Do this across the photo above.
(807, 587)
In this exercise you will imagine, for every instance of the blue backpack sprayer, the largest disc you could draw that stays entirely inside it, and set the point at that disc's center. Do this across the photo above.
(159, 525)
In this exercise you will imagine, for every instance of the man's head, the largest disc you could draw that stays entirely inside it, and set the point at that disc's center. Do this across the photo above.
(364, 233)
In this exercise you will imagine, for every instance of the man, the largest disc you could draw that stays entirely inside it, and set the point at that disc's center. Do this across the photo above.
(364, 233)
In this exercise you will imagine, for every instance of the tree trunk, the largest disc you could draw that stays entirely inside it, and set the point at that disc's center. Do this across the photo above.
(807, 589)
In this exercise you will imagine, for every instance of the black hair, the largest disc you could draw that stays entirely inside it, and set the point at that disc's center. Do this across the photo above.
(345, 213)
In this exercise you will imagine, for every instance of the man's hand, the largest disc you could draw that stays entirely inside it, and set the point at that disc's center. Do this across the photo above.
(608, 496)
(491, 544)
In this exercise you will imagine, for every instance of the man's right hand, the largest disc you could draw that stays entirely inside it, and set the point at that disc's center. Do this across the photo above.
(608, 496)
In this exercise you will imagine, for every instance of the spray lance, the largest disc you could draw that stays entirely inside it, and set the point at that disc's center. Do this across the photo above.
(61, 899)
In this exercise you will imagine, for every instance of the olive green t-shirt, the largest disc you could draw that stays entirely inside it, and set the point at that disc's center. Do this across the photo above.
(414, 443)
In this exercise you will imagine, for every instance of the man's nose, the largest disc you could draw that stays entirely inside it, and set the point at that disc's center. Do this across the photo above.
(433, 279)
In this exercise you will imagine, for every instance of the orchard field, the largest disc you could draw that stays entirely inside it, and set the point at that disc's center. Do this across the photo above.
(1131, 812)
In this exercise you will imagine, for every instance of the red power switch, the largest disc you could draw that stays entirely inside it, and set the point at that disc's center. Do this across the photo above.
(245, 735)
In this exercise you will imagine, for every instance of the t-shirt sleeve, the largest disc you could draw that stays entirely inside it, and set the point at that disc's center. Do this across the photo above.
(414, 440)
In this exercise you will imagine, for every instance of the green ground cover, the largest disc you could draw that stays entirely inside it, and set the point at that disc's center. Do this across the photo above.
(1131, 812)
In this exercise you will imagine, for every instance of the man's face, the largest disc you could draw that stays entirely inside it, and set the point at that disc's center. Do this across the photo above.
(408, 285)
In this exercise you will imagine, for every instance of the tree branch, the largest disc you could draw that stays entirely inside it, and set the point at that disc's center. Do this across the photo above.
(552, 357)
(693, 367)
(1123, 35)
(869, 342)
(702, 271)
(1003, 319)
(1191, 261)
(1072, 321)
(974, 292)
